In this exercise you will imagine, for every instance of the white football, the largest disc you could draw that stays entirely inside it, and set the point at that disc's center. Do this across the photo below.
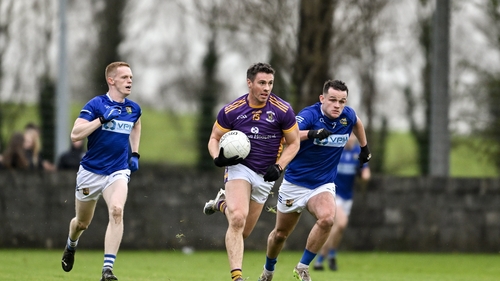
(235, 143)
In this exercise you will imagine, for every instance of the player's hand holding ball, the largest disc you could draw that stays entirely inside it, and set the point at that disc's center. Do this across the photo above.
(222, 161)
(365, 155)
(320, 134)
(110, 114)
(273, 172)
(133, 163)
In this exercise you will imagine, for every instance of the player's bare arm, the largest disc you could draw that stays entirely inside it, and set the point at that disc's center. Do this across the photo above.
(135, 136)
(292, 140)
(359, 132)
(82, 128)
(213, 142)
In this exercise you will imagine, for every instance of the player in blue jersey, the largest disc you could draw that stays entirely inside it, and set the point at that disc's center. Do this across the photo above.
(266, 119)
(308, 182)
(112, 125)
(347, 172)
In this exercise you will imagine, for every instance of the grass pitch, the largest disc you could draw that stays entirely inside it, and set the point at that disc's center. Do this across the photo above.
(44, 265)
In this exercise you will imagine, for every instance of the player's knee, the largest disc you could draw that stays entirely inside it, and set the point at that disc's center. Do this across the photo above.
(80, 225)
(116, 214)
(237, 220)
(326, 223)
(280, 236)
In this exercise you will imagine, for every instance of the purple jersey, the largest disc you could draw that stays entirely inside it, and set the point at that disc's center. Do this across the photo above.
(264, 126)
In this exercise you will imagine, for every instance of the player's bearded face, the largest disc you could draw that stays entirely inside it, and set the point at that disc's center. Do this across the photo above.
(333, 103)
(123, 80)
(260, 88)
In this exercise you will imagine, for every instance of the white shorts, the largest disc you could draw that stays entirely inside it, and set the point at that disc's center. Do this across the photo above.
(89, 186)
(260, 188)
(346, 205)
(293, 198)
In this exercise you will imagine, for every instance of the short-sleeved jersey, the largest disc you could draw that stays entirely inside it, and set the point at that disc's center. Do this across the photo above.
(108, 146)
(316, 162)
(264, 126)
(347, 171)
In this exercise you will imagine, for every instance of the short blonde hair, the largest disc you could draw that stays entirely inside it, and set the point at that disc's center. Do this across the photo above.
(111, 68)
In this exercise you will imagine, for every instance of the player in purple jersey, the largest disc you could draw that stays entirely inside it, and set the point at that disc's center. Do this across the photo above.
(112, 125)
(266, 119)
(308, 182)
(348, 170)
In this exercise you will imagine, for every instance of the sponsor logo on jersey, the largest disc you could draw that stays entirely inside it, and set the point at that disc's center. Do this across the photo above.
(118, 126)
(242, 116)
(255, 131)
(333, 141)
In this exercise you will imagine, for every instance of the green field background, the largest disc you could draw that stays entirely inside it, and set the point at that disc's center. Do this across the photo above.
(44, 265)
(169, 138)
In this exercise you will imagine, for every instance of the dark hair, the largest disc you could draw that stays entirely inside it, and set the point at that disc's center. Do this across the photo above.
(336, 85)
(258, 67)
(14, 156)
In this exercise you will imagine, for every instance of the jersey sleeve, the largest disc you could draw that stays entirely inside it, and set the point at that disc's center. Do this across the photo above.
(351, 114)
(305, 119)
(88, 111)
(222, 121)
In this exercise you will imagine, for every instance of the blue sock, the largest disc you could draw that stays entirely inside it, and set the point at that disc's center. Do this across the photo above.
(109, 261)
(71, 244)
(307, 257)
(270, 264)
(320, 259)
(332, 253)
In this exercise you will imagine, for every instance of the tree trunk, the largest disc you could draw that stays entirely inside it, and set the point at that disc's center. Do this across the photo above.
(313, 53)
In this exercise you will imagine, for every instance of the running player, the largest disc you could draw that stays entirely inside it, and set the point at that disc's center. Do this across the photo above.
(112, 125)
(308, 184)
(266, 119)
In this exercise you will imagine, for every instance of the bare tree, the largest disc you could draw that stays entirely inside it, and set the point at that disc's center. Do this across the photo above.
(421, 133)
(311, 65)
(108, 17)
(6, 13)
(487, 88)
(371, 27)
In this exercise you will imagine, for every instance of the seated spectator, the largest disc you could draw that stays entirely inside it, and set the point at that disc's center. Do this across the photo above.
(32, 148)
(14, 156)
(70, 160)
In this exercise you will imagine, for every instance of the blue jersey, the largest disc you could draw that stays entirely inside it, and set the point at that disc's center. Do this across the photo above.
(108, 146)
(264, 126)
(347, 170)
(316, 162)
